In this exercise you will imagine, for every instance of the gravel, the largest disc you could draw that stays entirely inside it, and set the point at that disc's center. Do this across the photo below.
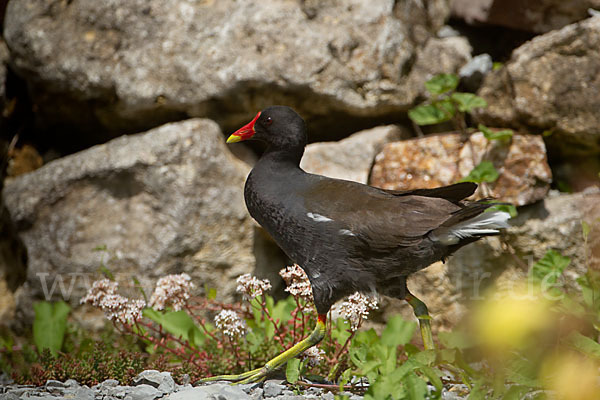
(152, 385)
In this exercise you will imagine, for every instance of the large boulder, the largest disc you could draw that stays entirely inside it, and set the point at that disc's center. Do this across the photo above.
(551, 84)
(537, 16)
(166, 201)
(111, 66)
(439, 160)
(554, 223)
(350, 158)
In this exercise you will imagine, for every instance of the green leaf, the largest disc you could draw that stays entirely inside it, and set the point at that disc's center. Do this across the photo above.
(549, 268)
(516, 392)
(484, 172)
(434, 377)
(497, 65)
(428, 114)
(397, 332)
(446, 106)
(441, 83)
(584, 344)
(211, 293)
(416, 387)
(292, 370)
(502, 135)
(467, 102)
(177, 323)
(509, 208)
(49, 325)
(523, 371)
(101, 247)
(340, 331)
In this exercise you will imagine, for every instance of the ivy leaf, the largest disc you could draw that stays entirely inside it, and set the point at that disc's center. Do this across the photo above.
(49, 325)
(292, 370)
(467, 102)
(503, 135)
(428, 114)
(441, 84)
(549, 268)
(484, 172)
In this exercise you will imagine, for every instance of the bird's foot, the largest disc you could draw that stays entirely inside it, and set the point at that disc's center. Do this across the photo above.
(239, 378)
(260, 374)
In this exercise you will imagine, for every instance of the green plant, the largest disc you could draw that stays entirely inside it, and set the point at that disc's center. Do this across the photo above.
(446, 104)
(49, 325)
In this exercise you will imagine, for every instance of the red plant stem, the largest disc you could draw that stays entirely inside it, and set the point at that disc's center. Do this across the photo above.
(266, 313)
(235, 351)
(202, 323)
(168, 336)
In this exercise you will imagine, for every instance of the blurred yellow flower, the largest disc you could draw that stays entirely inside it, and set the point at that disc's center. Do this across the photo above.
(571, 377)
(505, 320)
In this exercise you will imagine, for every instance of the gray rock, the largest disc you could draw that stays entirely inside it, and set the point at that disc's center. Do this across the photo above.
(273, 388)
(109, 383)
(473, 72)
(166, 201)
(143, 392)
(4, 58)
(72, 383)
(127, 66)
(79, 393)
(160, 380)
(527, 15)
(350, 158)
(216, 391)
(551, 84)
(9, 396)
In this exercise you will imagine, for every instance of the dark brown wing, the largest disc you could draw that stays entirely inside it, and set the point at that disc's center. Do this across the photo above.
(380, 218)
(454, 193)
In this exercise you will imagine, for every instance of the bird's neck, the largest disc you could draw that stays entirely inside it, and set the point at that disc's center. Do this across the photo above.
(284, 157)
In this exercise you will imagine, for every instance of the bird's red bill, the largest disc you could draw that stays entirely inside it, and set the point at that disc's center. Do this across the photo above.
(244, 133)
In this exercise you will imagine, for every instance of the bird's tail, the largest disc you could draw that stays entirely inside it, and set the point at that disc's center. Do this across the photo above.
(482, 224)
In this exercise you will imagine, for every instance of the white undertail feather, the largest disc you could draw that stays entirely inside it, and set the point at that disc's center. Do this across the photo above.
(483, 224)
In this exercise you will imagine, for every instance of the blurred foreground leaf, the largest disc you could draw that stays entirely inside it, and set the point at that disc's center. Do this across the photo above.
(49, 325)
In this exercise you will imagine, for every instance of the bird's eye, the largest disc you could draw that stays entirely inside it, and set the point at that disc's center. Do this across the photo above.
(268, 121)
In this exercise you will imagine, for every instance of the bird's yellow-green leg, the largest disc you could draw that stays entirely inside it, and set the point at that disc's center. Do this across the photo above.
(422, 314)
(258, 375)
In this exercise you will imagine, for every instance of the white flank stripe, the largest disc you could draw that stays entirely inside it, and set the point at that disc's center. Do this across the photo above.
(318, 217)
(346, 232)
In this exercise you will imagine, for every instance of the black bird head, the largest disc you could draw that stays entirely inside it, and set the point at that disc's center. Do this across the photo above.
(278, 126)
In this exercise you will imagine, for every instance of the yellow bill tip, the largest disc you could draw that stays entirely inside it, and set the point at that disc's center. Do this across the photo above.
(234, 139)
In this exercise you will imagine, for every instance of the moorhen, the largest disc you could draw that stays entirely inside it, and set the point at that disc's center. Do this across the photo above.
(348, 236)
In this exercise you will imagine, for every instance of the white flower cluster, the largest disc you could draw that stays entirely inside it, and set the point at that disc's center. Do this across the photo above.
(356, 309)
(173, 290)
(297, 283)
(314, 356)
(103, 294)
(251, 287)
(230, 323)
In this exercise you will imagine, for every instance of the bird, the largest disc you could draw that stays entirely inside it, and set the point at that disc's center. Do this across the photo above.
(348, 236)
